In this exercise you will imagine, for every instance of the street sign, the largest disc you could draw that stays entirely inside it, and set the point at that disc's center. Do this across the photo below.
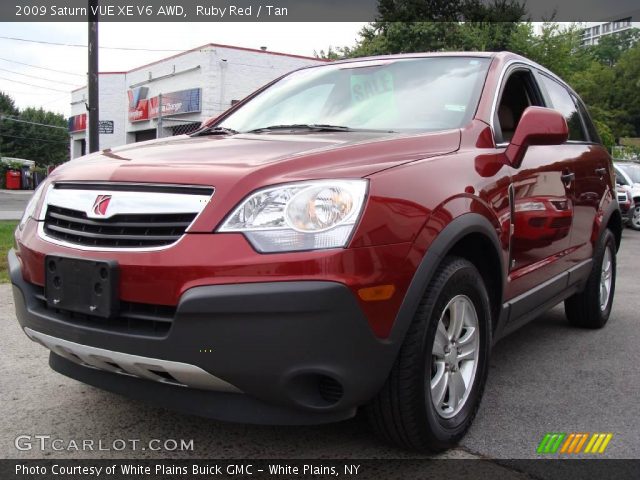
(105, 127)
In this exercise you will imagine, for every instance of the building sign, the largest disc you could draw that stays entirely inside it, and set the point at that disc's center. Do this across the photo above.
(78, 123)
(138, 104)
(142, 108)
(105, 127)
(176, 103)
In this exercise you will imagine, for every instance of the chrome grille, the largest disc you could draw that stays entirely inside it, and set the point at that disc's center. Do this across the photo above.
(134, 216)
(118, 231)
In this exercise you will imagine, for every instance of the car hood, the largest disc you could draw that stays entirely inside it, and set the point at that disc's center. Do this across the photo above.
(237, 165)
(275, 157)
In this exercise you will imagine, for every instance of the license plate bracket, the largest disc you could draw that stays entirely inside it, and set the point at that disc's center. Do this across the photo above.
(82, 286)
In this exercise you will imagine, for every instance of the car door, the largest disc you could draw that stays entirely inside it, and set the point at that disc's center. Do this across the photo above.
(541, 192)
(591, 166)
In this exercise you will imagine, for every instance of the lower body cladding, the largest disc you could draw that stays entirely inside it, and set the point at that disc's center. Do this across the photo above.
(278, 352)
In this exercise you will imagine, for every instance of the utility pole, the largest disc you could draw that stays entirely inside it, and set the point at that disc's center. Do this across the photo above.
(93, 80)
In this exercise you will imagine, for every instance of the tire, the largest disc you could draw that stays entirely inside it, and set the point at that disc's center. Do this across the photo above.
(587, 309)
(634, 218)
(404, 411)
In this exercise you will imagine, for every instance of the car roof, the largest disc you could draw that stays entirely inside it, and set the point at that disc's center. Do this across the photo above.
(420, 55)
(497, 55)
(504, 57)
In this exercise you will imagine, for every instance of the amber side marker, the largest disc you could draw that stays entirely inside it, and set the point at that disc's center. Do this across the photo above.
(377, 293)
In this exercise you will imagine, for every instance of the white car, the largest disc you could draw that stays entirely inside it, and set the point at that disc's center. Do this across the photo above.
(628, 175)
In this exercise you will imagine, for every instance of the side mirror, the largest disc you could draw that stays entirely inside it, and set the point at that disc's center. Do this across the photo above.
(537, 126)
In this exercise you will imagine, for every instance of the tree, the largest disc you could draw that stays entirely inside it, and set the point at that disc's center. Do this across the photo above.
(626, 87)
(7, 105)
(611, 47)
(419, 10)
(33, 133)
(43, 143)
(607, 137)
(332, 53)
(435, 25)
(7, 131)
(556, 47)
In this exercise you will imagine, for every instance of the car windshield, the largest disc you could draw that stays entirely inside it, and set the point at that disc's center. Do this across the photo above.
(413, 94)
(633, 171)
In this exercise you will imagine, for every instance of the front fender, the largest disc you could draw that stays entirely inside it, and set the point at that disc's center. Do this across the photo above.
(454, 231)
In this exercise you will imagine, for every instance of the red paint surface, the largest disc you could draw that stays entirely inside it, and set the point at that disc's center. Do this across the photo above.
(419, 183)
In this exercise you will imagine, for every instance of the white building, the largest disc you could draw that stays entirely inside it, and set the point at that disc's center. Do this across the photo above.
(192, 86)
(592, 34)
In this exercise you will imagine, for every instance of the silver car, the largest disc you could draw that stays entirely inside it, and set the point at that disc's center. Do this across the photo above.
(628, 175)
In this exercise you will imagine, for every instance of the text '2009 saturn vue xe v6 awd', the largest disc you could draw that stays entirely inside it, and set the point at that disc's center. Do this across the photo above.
(355, 235)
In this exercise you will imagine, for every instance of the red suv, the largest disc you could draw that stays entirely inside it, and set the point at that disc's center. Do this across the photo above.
(356, 234)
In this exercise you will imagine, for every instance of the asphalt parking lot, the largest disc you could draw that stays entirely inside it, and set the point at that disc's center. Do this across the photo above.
(547, 377)
(13, 202)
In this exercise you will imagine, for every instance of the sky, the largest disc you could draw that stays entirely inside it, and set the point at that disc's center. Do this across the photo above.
(71, 62)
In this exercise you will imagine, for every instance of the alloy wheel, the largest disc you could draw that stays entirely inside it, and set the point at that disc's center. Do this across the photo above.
(606, 277)
(454, 356)
(635, 218)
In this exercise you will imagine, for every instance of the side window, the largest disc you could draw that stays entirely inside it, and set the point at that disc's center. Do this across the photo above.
(561, 100)
(586, 119)
(519, 93)
(620, 180)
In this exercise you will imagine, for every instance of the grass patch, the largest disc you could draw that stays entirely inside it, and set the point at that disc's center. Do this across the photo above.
(6, 242)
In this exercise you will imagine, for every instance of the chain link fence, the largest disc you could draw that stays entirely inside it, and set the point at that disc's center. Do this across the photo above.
(171, 126)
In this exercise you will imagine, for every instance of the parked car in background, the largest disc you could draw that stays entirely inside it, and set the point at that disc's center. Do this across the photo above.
(626, 202)
(628, 175)
(355, 235)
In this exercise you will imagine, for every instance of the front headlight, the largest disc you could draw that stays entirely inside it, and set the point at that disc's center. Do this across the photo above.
(530, 207)
(30, 209)
(299, 216)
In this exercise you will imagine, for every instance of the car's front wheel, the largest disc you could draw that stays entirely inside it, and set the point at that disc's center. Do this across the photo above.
(434, 389)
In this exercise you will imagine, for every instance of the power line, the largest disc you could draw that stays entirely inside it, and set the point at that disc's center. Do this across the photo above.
(15, 92)
(39, 78)
(33, 138)
(44, 68)
(79, 45)
(37, 86)
(58, 99)
(4, 117)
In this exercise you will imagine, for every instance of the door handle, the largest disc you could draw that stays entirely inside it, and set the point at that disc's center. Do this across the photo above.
(601, 172)
(568, 177)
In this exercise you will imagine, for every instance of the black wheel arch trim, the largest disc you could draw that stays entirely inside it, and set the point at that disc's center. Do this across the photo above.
(460, 227)
(611, 209)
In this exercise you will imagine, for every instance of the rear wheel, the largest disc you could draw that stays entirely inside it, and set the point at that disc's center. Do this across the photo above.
(591, 307)
(634, 220)
(436, 383)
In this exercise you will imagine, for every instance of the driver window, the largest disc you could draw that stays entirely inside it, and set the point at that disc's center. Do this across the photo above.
(517, 95)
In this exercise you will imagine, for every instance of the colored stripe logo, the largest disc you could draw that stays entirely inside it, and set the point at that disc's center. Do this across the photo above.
(572, 443)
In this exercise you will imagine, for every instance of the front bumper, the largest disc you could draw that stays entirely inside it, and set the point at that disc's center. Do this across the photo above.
(626, 210)
(299, 351)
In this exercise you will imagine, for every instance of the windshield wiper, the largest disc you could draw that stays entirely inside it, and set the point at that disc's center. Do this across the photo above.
(215, 131)
(315, 127)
